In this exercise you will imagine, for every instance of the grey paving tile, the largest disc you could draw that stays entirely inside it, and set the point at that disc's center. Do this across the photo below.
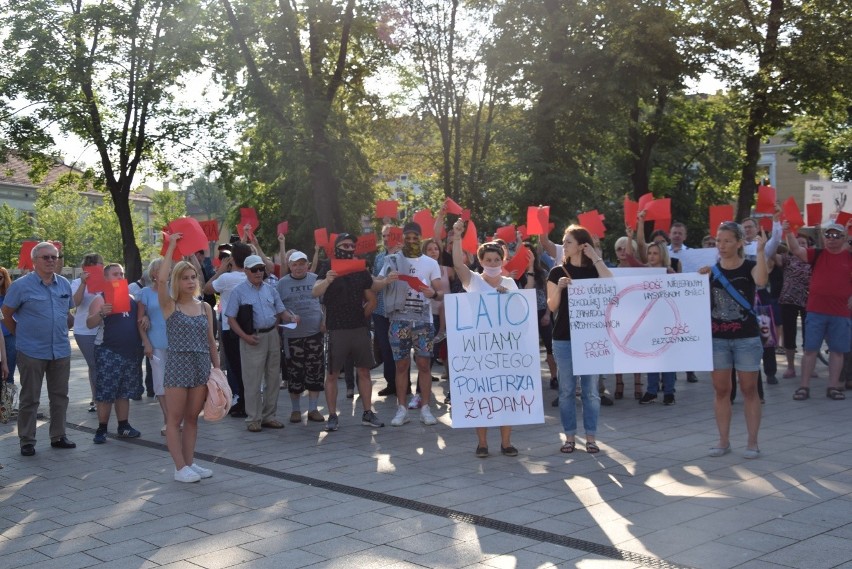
(69, 546)
(24, 542)
(818, 552)
(201, 546)
(230, 557)
(72, 561)
(297, 538)
(714, 556)
(121, 549)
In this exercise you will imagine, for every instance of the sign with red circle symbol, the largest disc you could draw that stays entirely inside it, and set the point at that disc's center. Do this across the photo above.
(641, 324)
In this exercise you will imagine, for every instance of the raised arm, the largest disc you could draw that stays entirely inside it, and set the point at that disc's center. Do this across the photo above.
(793, 244)
(167, 305)
(641, 244)
(462, 270)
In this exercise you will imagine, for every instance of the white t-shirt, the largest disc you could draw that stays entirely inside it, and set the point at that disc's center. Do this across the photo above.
(478, 284)
(224, 285)
(82, 312)
(426, 269)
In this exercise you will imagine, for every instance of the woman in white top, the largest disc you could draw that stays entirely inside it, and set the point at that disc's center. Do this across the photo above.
(490, 256)
(83, 335)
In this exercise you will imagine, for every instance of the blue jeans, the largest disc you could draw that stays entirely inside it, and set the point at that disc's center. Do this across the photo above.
(11, 356)
(668, 382)
(568, 385)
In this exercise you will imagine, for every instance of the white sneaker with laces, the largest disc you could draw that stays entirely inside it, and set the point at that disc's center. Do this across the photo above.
(401, 416)
(186, 474)
(201, 471)
(426, 416)
(415, 401)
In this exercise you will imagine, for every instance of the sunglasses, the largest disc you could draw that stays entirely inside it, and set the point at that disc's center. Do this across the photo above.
(48, 257)
(256, 269)
(833, 236)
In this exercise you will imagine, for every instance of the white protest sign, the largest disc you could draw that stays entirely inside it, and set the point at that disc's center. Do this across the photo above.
(834, 197)
(635, 271)
(693, 259)
(493, 358)
(641, 324)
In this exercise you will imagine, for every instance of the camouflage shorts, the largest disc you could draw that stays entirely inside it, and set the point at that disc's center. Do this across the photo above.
(305, 367)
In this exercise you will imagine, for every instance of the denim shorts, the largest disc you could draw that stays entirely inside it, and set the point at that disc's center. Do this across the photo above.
(836, 330)
(743, 354)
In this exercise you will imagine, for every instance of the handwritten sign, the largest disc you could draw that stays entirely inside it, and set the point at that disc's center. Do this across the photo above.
(641, 324)
(494, 361)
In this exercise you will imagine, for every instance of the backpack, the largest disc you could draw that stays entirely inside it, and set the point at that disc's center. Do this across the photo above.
(219, 396)
(396, 292)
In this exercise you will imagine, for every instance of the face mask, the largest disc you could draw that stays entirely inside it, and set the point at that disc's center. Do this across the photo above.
(344, 253)
(411, 250)
(492, 271)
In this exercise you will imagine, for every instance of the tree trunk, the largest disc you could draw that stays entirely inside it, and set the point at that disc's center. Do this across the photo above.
(122, 208)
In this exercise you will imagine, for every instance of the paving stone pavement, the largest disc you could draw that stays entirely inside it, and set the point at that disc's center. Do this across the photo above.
(416, 496)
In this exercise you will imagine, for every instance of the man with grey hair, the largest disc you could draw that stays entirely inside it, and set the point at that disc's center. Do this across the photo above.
(36, 311)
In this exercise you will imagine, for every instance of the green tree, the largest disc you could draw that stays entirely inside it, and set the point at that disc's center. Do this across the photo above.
(102, 227)
(167, 206)
(209, 196)
(61, 212)
(824, 142)
(15, 227)
(106, 72)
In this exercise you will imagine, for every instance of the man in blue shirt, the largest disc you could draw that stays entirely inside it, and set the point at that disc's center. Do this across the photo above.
(36, 310)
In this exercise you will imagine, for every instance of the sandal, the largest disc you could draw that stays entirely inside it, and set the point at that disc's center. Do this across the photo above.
(619, 389)
(801, 394)
(637, 390)
(835, 394)
(568, 447)
(592, 447)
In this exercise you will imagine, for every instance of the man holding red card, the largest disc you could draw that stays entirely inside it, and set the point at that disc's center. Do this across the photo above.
(349, 302)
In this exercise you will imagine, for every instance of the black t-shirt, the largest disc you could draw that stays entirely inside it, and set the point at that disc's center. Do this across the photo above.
(730, 320)
(344, 301)
(561, 324)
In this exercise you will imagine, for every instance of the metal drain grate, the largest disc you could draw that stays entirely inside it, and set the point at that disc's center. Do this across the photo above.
(448, 513)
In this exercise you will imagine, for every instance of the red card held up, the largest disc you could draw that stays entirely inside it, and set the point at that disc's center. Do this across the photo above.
(518, 263)
(424, 219)
(465, 215)
(387, 208)
(644, 200)
(719, 214)
(348, 266)
(765, 200)
(366, 244)
(210, 228)
(765, 224)
(193, 238)
(631, 210)
(792, 214)
(593, 221)
(522, 229)
(166, 239)
(413, 282)
(659, 209)
(662, 225)
(469, 242)
(537, 219)
(248, 216)
(321, 237)
(283, 228)
(25, 257)
(506, 233)
(95, 281)
(394, 237)
(117, 294)
(452, 207)
(814, 211)
(843, 218)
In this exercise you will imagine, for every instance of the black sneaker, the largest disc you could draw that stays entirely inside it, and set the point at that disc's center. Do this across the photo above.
(387, 391)
(668, 399)
(648, 398)
(771, 379)
(691, 377)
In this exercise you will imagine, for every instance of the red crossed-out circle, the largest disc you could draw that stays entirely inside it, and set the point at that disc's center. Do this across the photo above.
(622, 343)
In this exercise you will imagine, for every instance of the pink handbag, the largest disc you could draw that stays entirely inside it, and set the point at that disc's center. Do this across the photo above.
(219, 396)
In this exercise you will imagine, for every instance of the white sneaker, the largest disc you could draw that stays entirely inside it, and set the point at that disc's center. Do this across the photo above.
(401, 416)
(201, 471)
(186, 474)
(415, 401)
(426, 416)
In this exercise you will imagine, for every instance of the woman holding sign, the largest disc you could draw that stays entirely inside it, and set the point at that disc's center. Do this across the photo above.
(580, 261)
(490, 256)
(736, 334)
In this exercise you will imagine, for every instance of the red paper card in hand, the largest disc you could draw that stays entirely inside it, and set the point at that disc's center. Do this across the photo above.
(57, 244)
(765, 200)
(659, 209)
(248, 216)
(843, 218)
(329, 247)
(644, 200)
(814, 211)
(631, 210)
(506, 233)
(366, 244)
(518, 263)
(593, 221)
(465, 215)
(413, 282)
(164, 249)
(95, 281)
(321, 237)
(394, 238)
(765, 224)
(662, 225)
(792, 214)
(719, 214)
(210, 229)
(348, 266)
(452, 207)
(387, 208)
(117, 294)
(537, 219)
(469, 242)
(283, 228)
(193, 238)
(522, 229)
(25, 257)
(424, 219)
